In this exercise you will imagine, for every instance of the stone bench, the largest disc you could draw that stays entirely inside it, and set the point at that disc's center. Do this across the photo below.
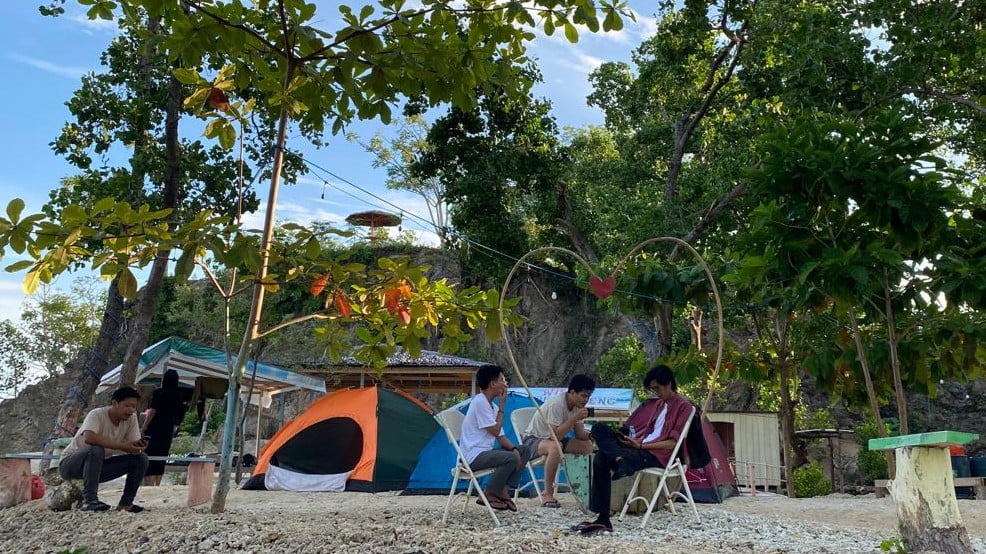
(15, 476)
(924, 490)
(881, 486)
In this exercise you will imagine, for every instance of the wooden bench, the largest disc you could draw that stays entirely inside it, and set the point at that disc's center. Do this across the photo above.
(924, 490)
(15, 476)
(881, 486)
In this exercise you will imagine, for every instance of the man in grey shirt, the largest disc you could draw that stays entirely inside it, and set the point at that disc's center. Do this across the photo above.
(108, 445)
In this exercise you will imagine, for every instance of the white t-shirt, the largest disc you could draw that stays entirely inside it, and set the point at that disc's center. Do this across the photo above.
(555, 412)
(658, 425)
(474, 439)
(99, 422)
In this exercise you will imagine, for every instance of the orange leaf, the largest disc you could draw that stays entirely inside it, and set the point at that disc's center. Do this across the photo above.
(342, 303)
(405, 289)
(218, 100)
(392, 300)
(318, 285)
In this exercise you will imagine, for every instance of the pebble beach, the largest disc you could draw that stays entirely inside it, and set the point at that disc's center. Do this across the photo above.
(268, 522)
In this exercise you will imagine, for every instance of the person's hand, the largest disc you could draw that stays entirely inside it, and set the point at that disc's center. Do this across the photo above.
(135, 447)
(581, 414)
(503, 398)
(628, 442)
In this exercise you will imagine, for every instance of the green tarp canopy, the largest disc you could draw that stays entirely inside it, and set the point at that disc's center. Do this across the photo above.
(192, 360)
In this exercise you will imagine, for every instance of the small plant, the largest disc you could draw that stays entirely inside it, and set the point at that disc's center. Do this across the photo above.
(872, 465)
(895, 545)
(624, 364)
(809, 481)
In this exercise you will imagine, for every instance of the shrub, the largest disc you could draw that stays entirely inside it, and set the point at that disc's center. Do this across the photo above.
(624, 364)
(872, 465)
(810, 481)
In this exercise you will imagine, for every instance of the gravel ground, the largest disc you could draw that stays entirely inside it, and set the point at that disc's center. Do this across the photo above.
(262, 522)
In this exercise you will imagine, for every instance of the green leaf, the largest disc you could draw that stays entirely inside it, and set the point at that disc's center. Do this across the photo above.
(185, 264)
(31, 282)
(127, 284)
(189, 76)
(571, 33)
(18, 266)
(14, 209)
(103, 204)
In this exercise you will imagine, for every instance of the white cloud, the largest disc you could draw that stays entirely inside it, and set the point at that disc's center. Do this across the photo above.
(71, 72)
(581, 62)
(93, 26)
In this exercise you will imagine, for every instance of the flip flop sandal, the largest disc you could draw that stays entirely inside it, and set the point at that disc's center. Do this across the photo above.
(595, 529)
(133, 509)
(507, 502)
(581, 526)
(495, 503)
(551, 504)
(95, 506)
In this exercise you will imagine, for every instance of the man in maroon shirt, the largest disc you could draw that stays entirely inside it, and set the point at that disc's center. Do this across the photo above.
(652, 431)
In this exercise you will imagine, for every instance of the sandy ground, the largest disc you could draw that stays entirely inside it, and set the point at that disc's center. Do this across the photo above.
(358, 522)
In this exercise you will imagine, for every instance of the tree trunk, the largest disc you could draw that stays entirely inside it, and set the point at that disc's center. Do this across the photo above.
(782, 324)
(787, 426)
(96, 363)
(662, 326)
(881, 431)
(256, 311)
(147, 305)
(892, 340)
(695, 326)
(927, 512)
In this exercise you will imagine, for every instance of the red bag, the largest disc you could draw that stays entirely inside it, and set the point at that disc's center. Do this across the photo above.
(37, 487)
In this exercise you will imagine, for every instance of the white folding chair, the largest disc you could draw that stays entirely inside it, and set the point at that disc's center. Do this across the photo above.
(520, 418)
(451, 421)
(676, 468)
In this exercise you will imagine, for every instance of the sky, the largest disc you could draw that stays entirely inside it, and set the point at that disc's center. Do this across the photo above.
(42, 60)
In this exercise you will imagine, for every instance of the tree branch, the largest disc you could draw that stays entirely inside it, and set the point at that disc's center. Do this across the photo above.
(288, 323)
(240, 26)
(711, 215)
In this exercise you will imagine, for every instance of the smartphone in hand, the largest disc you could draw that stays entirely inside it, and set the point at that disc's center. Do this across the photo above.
(145, 439)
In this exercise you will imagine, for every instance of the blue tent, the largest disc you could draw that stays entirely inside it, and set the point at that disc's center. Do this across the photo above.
(432, 475)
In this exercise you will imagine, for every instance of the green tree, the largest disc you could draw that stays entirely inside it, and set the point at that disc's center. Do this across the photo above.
(398, 155)
(53, 327)
(312, 76)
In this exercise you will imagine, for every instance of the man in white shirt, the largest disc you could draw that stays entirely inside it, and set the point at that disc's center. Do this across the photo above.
(108, 445)
(482, 428)
(561, 414)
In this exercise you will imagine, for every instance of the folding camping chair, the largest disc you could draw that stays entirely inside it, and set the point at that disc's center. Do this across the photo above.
(676, 468)
(451, 421)
(521, 418)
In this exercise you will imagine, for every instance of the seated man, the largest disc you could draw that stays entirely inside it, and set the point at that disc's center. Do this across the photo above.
(482, 428)
(108, 445)
(561, 414)
(651, 439)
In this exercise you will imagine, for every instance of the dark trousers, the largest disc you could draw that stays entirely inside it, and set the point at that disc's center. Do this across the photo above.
(91, 465)
(605, 462)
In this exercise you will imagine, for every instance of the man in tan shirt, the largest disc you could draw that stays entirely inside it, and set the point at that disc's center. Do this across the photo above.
(106, 446)
(561, 414)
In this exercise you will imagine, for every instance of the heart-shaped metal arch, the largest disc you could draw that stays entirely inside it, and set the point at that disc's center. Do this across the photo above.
(616, 270)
